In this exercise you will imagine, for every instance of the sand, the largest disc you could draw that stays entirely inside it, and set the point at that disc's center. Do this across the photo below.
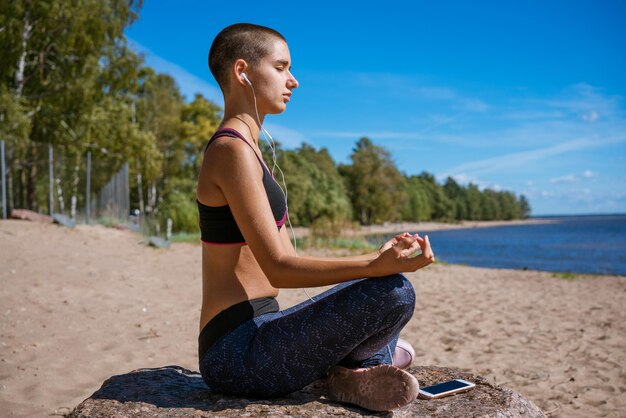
(81, 305)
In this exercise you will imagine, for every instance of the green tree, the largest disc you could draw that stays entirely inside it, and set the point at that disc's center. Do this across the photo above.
(57, 72)
(458, 195)
(316, 192)
(442, 205)
(418, 205)
(524, 207)
(375, 185)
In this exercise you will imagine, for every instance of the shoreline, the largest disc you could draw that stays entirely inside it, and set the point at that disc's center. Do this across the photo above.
(91, 302)
(399, 227)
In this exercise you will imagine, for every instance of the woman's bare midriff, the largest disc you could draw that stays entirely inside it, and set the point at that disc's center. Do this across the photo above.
(230, 274)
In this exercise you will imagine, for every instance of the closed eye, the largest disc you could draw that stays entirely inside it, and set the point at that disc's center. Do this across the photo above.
(282, 65)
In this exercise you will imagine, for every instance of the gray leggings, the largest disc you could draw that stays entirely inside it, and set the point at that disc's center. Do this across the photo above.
(354, 324)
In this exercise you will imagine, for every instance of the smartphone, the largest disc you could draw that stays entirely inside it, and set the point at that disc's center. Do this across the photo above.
(446, 388)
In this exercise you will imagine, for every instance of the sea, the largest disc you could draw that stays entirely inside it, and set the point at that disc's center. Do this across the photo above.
(593, 244)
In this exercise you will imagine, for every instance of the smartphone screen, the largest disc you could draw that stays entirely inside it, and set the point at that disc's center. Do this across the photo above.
(446, 388)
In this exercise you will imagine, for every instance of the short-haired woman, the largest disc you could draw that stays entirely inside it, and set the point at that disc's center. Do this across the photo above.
(247, 346)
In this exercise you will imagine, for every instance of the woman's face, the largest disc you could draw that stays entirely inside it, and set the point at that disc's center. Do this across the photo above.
(272, 79)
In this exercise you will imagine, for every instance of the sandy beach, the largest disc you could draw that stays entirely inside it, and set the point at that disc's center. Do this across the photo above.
(80, 305)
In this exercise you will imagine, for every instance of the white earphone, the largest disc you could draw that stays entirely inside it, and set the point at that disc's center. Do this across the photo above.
(245, 77)
(272, 146)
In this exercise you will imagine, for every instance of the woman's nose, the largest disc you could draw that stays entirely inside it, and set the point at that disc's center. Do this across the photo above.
(293, 83)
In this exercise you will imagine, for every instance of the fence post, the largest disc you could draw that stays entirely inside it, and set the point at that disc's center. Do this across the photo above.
(88, 191)
(126, 191)
(4, 182)
(51, 177)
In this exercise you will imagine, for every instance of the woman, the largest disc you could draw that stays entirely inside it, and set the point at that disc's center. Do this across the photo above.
(247, 346)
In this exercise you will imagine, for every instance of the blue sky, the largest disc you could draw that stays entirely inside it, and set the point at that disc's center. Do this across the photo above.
(522, 96)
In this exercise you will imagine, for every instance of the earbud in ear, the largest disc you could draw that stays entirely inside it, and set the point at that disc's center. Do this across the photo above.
(245, 77)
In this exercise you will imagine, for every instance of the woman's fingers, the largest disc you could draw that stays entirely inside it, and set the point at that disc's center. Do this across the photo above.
(425, 258)
(427, 250)
(411, 250)
(409, 245)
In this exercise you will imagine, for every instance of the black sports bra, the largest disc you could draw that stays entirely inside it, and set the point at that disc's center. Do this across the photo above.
(217, 223)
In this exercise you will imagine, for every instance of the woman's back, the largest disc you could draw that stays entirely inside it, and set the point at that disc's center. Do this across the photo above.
(231, 273)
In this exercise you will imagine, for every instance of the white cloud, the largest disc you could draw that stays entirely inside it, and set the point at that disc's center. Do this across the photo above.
(288, 138)
(590, 116)
(436, 93)
(414, 87)
(474, 105)
(188, 83)
(354, 135)
(570, 178)
(531, 114)
(508, 161)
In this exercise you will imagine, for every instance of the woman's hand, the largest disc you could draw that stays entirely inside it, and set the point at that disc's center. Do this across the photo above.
(393, 241)
(398, 254)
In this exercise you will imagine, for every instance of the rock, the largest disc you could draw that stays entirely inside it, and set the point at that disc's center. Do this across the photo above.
(29, 215)
(158, 242)
(173, 391)
(63, 220)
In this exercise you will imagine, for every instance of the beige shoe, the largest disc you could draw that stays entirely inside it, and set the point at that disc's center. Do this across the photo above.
(403, 355)
(380, 388)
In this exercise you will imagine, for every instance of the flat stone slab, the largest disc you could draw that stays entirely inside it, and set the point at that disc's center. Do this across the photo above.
(61, 219)
(173, 391)
(158, 242)
(29, 215)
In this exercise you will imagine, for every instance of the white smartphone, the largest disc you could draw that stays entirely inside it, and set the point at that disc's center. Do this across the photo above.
(446, 388)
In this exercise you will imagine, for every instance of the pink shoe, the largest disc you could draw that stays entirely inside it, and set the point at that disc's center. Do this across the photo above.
(380, 388)
(403, 355)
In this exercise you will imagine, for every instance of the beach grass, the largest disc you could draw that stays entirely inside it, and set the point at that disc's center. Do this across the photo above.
(189, 237)
(564, 275)
(355, 244)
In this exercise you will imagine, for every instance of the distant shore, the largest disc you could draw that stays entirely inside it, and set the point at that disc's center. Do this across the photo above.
(398, 227)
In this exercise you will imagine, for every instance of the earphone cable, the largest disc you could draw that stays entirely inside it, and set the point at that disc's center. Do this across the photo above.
(275, 165)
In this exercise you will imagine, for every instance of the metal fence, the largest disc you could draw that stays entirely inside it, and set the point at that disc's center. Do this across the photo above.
(113, 200)
(82, 204)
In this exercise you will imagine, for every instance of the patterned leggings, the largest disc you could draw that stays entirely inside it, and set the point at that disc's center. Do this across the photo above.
(354, 324)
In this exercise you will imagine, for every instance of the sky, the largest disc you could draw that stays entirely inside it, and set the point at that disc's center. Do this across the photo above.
(521, 96)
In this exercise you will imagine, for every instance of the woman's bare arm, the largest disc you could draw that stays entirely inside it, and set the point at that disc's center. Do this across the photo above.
(239, 176)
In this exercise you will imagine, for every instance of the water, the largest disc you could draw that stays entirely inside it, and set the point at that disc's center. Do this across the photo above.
(577, 244)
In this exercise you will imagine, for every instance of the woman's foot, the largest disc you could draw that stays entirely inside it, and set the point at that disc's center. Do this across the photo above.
(403, 355)
(380, 388)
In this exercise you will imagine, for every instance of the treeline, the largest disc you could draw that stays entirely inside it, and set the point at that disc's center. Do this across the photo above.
(83, 90)
(69, 79)
(372, 190)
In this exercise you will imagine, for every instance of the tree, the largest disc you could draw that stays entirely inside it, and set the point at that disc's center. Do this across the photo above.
(442, 205)
(375, 185)
(56, 71)
(524, 207)
(316, 192)
(458, 196)
(418, 205)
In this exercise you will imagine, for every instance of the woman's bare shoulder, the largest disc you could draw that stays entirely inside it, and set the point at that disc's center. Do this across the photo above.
(230, 158)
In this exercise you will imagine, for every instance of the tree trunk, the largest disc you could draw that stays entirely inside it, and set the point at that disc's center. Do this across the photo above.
(9, 184)
(75, 181)
(22, 187)
(31, 188)
(21, 64)
(60, 195)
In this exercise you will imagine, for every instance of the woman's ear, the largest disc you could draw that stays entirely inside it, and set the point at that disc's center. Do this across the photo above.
(239, 67)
